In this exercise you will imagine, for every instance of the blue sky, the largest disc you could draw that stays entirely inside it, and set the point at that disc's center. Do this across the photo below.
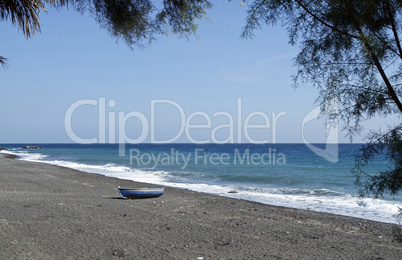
(73, 59)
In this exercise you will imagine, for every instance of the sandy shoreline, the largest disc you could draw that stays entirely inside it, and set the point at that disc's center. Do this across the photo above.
(51, 212)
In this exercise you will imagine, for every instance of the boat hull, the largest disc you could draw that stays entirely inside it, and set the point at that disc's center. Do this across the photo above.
(140, 193)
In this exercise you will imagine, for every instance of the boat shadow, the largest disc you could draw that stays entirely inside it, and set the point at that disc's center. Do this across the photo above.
(120, 198)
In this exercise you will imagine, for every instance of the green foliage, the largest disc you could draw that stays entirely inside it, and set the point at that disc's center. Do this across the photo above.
(24, 13)
(136, 22)
(384, 181)
(350, 51)
(126, 19)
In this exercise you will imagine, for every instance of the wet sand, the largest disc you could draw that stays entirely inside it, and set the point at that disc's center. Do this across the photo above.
(51, 212)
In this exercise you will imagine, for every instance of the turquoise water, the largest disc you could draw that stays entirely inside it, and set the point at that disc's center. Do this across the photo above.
(279, 174)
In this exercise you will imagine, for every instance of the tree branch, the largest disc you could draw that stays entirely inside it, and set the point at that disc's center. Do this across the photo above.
(325, 23)
(3, 61)
(377, 63)
(398, 44)
(365, 88)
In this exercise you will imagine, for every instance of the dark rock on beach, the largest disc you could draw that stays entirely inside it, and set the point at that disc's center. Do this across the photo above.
(32, 147)
(1, 149)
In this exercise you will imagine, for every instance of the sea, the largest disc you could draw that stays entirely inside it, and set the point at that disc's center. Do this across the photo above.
(290, 175)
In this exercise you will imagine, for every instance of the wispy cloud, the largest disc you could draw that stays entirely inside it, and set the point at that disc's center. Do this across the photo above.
(262, 71)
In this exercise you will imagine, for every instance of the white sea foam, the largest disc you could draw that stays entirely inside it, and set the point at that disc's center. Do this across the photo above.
(367, 208)
(109, 169)
(33, 157)
(342, 204)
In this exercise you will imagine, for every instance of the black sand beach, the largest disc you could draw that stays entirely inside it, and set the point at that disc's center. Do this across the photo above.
(50, 212)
